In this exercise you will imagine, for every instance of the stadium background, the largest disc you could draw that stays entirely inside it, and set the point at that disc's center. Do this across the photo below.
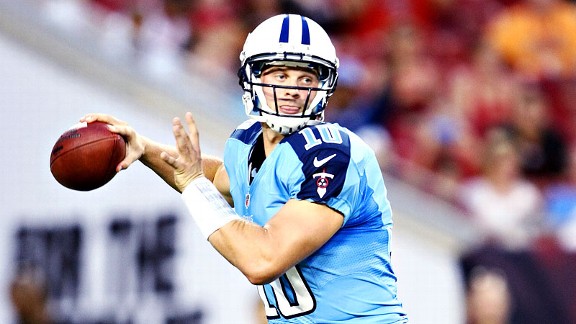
(127, 252)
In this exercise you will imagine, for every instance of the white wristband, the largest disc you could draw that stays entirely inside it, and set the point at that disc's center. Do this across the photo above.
(208, 208)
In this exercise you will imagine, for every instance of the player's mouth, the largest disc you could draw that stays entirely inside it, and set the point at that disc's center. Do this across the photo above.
(289, 110)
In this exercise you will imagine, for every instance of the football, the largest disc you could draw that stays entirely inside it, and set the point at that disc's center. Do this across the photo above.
(85, 156)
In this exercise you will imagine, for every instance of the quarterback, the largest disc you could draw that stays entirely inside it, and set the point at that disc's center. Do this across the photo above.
(297, 205)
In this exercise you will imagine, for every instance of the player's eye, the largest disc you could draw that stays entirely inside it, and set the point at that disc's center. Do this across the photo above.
(308, 81)
(280, 76)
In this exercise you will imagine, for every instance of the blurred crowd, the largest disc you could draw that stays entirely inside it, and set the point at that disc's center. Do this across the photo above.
(471, 100)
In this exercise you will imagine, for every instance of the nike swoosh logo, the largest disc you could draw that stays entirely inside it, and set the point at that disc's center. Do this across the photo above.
(318, 163)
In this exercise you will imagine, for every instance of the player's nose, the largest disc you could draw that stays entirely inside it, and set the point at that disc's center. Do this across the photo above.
(291, 90)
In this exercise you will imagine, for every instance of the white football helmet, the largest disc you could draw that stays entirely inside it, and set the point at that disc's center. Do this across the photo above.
(287, 40)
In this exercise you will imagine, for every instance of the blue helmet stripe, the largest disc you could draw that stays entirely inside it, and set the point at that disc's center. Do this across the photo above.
(285, 31)
(305, 32)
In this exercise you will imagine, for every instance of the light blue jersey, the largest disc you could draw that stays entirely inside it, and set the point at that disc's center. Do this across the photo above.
(350, 278)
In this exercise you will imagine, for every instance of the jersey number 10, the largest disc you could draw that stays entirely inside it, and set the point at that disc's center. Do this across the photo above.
(292, 283)
(328, 134)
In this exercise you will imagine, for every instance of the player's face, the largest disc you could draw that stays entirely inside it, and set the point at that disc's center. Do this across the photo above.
(290, 101)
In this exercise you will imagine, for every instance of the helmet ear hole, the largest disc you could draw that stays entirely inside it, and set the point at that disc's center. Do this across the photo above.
(323, 73)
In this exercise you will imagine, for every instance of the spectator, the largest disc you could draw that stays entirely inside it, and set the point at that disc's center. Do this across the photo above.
(412, 86)
(353, 109)
(503, 204)
(252, 12)
(456, 154)
(484, 90)
(162, 36)
(560, 202)
(414, 73)
(542, 148)
(537, 38)
(561, 95)
(29, 297)
(155, 32)
(349, 107)
(453, 26)
(511, 287)
(214, 47)
(488, 297)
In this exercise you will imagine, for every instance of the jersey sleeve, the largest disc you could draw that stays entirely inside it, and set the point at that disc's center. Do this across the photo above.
(324, 163)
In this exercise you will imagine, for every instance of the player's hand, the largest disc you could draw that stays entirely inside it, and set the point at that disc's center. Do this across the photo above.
(135, 144)
(188, 163)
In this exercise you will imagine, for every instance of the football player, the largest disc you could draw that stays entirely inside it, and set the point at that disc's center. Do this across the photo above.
(310, 223)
